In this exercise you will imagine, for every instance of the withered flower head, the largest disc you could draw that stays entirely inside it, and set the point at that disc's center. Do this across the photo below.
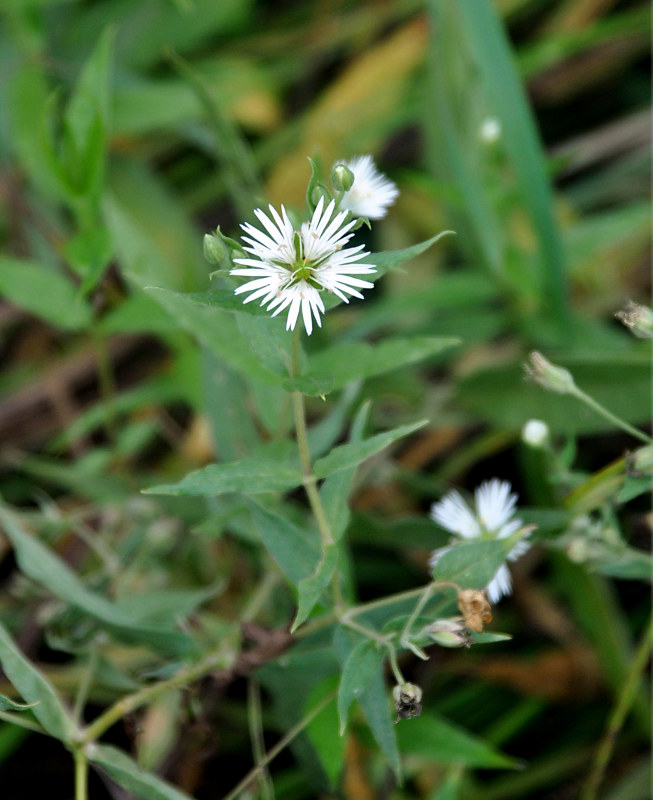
(475, 609)
(408, 701)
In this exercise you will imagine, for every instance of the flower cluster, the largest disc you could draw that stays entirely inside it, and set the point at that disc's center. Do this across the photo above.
(493, 517)
(288, 267)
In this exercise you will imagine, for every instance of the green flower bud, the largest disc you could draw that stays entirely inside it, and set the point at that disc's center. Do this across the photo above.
(342, 178)
(320, 191)
(215, 251)
(548, 375)
(449, 633)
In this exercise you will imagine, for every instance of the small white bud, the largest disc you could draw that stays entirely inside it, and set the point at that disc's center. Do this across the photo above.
(535, 433)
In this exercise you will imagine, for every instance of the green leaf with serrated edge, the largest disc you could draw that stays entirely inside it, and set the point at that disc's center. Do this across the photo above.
(350, 455)
(434, 738)
(56, 300)
(361, 665)
(43, 566)
(309, 589)
(335, 490)
(11, 705)
(126, 773)
(35, 688)
(472, 565)
(252, 475)
(373, 699)
(296, 551)
(322, 731)
(339, 365)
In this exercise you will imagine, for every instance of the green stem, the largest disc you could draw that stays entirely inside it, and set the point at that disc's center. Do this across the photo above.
(618, 715)
(81, 774)
(615, 420)
(85, 683)
(426, 596)
(309, 480)
(256, 736)
(384, 641)
(279, 746)
(131, 702)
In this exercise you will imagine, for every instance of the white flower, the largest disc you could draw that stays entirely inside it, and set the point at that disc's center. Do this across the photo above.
(490, 130)
(371, 193)
(291, 267)
(493, 517)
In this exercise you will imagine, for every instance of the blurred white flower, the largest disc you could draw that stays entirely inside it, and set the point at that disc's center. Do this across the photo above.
(290, 268)
(493, 517)
(535, 433)
(371, 192)
(490, 130)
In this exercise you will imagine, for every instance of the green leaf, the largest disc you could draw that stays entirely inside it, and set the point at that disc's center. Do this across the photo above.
(126, 773)
(434, 738)
(472, 565)
(363, 663)
(309, 589)
(162, 606)
(227, 301)
(350, 455)
(335, 490)
(627, 564)
(251, 475)
(634, 486)
(218, 332)
(373, 699)
(43, 566)
(11, 705)
(89, 253)
(36, 689)
(43, 292)
(323, 732)
(337, 366)
(390, 259)
(296, 551)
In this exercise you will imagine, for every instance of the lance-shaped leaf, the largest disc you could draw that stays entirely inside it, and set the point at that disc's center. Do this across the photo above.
(296, 551)
(36, 689)
(337, 366)
(252, 475)
(126, 773)
(349, 455)
(310, 589)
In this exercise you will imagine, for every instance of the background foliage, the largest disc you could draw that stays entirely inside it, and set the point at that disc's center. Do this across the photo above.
(128, 130)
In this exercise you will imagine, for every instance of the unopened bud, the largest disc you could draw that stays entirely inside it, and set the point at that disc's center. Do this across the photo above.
(638, 318)
(475, 609)
(548, 375)
(342, 178)
(215, 251)
(318, 192)
(535, 433)
(408, 700)
(449, 632)
(640, 463)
